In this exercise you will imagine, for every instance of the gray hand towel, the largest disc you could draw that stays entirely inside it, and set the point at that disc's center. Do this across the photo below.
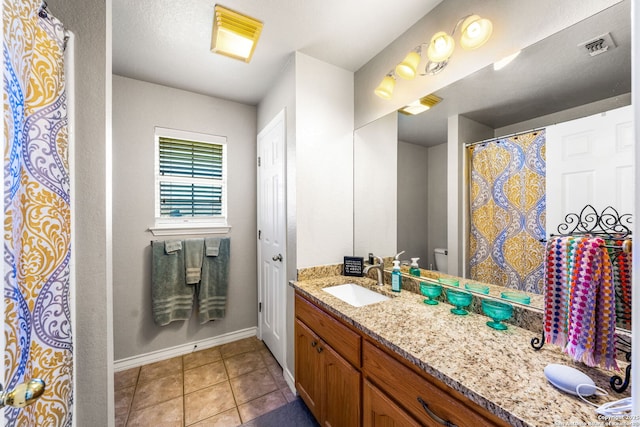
(171, 298)
(212, 291)
(171, 246)
(211, 246)
(193, 252)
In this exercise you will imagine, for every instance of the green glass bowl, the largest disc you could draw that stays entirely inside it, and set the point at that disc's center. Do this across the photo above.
(498, 311)
(431, 291)
(516, 297)
(450, 282)
(476, 287)
(460, 299)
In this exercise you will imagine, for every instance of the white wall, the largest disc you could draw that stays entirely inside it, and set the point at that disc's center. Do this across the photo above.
(137, 108)
(324, 162)
(437, 206)
(413, 203)
(93, 394)
(512, 30)
(376, 187)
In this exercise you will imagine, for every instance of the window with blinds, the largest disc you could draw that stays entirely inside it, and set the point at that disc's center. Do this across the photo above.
(190, 177)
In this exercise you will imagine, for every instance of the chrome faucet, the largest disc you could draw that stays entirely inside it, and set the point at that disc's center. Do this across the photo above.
(379, 267)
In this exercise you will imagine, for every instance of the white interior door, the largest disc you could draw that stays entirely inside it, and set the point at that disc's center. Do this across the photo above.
(590, 161)
(272, 277)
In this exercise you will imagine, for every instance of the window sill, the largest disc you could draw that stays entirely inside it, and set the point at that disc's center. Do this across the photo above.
(178, 230)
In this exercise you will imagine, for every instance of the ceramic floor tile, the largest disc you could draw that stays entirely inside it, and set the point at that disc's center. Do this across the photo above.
(244, 363)
(229, 418)
(237, 347)
(156, 391)
(252, 385)
(165, 414)
(160, 369)
(208, 402)
(123, 399)
(204, 376)
(201, 357)
(288, 394)
(278, 376)
(261, 405)
(124, 379)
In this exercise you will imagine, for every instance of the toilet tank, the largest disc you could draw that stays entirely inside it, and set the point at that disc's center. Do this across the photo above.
(441, 259)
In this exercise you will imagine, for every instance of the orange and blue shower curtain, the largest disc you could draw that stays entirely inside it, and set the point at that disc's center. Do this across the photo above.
(37, 214)
(507, 211)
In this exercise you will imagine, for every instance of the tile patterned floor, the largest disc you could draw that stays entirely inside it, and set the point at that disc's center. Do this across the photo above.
(221, 386)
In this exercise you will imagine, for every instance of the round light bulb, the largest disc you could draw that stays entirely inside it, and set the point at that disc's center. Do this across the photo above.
(441, 47)
(475, 32)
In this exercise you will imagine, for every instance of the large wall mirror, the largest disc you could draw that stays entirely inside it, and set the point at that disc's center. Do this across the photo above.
(402, 162)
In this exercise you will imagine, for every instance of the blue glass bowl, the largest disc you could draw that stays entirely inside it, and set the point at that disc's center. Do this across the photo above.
(431, 291)
(476, 287)
(516, 297)
(460, 299)
(450, 282)
(498, 311)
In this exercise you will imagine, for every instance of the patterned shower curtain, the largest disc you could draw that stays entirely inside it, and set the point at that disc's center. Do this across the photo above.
(507, 202)
(37, 234)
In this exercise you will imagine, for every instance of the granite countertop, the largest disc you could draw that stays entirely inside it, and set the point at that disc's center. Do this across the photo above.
(499, 370)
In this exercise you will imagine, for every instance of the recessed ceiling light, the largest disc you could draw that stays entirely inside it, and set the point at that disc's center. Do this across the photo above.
(234, 35)
(421, 105)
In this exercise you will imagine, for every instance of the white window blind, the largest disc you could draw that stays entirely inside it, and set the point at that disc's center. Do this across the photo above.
(190, 178)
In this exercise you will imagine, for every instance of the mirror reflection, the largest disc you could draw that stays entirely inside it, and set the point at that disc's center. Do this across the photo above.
(570, 96)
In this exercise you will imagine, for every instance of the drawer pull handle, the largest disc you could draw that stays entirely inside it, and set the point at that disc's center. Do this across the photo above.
(434, 416)
(314, 343)
(319, 349)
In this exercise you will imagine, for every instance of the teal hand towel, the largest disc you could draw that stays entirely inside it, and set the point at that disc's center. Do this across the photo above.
(212, 291)
(171, 298)
(193, 252)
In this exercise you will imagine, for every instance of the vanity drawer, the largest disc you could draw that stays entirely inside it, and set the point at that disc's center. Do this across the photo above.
(406, 386)
(342, 339)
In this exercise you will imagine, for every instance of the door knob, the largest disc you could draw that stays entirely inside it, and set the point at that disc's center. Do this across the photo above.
(23, 395)
(277, 257)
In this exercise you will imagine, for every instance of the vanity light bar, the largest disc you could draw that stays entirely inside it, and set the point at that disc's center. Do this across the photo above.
(421, 105)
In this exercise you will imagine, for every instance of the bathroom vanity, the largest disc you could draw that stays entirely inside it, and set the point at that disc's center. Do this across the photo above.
(400, 362)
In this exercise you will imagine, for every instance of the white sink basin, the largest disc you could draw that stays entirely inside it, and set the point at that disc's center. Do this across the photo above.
(355, 295)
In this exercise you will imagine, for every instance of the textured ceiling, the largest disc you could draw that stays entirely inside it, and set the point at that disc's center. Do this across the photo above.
(168, 42)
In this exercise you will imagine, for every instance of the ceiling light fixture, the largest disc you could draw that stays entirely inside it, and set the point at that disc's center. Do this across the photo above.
(421, 105)
(386, 86)
(234, 35)
(475, 31)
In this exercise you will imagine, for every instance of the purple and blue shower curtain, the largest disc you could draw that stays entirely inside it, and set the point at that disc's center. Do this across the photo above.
(37, 214)
(507, 211)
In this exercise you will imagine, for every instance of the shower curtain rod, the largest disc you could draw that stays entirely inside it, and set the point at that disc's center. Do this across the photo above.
(484, 141)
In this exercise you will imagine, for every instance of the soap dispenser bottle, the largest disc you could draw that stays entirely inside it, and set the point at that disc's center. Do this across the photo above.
(396, 279)
(414, 270)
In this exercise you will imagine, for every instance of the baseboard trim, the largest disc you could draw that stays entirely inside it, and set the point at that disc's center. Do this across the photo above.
(180, 350)
(290, 380)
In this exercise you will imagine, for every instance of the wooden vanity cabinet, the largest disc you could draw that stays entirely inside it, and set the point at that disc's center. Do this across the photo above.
(327, 381)
(347, 379)
(423, 398)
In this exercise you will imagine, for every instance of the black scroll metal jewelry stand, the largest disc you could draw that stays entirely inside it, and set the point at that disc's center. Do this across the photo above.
(612, 226)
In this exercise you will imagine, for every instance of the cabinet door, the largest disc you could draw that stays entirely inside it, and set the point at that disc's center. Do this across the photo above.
(379, 411)
(309, 368)
(342, 391)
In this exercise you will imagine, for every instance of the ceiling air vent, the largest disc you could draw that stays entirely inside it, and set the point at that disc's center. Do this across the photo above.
(598, 45)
